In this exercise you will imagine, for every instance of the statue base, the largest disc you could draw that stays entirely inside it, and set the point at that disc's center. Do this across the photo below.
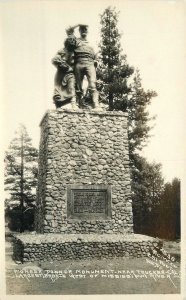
(84, 206)
(84, 178)
(44, 247)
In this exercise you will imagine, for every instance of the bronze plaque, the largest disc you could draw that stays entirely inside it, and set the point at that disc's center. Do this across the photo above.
(88, 202)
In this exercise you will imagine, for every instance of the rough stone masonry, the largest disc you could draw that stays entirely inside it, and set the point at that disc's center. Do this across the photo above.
(84, 207)
(88, 149)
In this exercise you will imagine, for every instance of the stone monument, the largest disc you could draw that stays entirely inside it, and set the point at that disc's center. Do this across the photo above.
(84, 180)
(84, 206)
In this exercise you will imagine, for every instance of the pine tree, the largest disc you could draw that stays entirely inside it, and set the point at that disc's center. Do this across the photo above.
(113, 71)
(147, 189)
(121, 88)
(113, 76)
(21, 172)
(138, 115)
(168, 212)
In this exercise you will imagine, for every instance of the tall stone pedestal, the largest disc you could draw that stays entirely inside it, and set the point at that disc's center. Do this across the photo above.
(84, 206)
(84, 180)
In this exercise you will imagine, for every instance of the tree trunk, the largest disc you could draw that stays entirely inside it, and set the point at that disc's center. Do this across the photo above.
(22, 187)
(111, 102)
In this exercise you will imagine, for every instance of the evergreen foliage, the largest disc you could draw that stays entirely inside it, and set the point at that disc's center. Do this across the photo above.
(120, 87)
(113, 71)
(21, 172)
(138, 115)
(147, 189)
(168, 213)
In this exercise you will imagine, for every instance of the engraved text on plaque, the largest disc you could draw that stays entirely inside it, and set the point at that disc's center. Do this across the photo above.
(88, 202)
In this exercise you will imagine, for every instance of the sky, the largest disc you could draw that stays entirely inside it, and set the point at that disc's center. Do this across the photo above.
(153, 38)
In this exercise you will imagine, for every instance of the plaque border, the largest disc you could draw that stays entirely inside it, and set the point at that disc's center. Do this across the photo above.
(94, 216)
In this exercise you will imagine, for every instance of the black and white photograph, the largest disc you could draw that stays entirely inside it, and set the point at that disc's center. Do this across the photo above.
(93, 131)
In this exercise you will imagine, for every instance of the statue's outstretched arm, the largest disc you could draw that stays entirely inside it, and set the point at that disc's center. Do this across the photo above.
(70, 29)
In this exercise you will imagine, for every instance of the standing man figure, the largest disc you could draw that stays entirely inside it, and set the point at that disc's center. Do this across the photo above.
(84, 63)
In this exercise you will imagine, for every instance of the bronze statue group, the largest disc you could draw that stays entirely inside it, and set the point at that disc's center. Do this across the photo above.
(74, 62)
